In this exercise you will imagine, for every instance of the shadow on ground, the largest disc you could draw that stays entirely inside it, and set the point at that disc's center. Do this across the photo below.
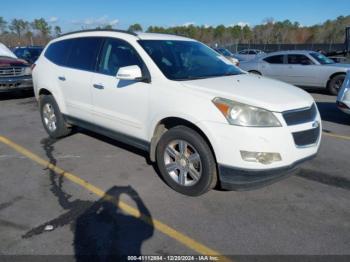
(330, 113)
(324, 178)
(16, 95)
(102, 231)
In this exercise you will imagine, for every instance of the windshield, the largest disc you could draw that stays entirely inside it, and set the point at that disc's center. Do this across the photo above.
(30, 54)
(187, 60)
(225, 52)
(323, 60)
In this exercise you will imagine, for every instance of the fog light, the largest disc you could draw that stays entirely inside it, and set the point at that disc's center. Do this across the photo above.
(261, 157)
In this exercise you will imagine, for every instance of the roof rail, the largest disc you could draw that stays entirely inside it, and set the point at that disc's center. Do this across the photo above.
(99, 30)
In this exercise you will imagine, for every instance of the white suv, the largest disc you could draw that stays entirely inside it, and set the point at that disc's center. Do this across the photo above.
(203, 121)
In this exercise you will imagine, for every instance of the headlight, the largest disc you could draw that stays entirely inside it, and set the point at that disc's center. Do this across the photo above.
(245, 115)
(28, 71)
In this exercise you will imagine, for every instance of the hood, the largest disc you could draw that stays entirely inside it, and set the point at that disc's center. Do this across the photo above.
(4, 51)
(346, 66)
(254, 90)
(8, 62)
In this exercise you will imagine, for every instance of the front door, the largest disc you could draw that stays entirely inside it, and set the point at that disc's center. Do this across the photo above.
(119, 105)
(301, 71)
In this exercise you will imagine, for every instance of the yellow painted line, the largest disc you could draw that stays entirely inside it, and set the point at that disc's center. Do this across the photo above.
(167, 230)
(336, 136)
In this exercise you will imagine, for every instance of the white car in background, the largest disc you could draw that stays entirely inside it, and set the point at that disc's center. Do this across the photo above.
(300, 68)
(228, 55)
(248, 54)
(343, 99)
(202, 120)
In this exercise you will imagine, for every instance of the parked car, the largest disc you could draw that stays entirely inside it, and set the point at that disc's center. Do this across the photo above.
(339, 59)
(300, 68)
(202, 120)
(343, 99)
(28, 53)
(228, 55)
(15, 74)
(248, 54)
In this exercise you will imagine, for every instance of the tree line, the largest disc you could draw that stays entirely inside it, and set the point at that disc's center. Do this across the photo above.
(39, 32)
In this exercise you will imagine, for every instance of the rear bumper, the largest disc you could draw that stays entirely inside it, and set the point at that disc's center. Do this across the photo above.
(232, 178)
(18, 83)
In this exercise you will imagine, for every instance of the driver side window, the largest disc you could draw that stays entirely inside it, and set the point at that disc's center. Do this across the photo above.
(299, 60)
(116, 54)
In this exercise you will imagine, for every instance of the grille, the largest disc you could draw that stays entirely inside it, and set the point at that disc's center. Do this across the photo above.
(307, 137)
(11, 71)
(296, 117)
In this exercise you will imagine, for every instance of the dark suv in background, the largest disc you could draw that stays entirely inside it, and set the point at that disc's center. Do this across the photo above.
(28, 53)
(15, 73)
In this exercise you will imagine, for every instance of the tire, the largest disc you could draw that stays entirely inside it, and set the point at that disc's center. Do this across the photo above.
(255, 72)
(181, 150)
(52, 118)
(334, 84)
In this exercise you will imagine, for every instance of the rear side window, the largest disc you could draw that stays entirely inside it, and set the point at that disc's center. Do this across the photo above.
(276, 59)
(116, 54)
(83, 53)
(299, 60)
(57, 52)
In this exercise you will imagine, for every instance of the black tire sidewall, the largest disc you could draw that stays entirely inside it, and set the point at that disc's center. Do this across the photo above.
(332, 90)
(208, 177)
(61, 129)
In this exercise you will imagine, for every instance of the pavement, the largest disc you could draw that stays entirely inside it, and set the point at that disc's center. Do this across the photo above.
(88, 194)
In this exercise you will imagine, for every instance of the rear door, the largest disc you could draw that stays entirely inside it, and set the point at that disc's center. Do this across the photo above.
(274, 67)
(76, 76)
(302, 71)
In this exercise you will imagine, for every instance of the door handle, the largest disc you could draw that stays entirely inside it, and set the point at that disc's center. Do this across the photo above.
(62, 78)
(98, 86)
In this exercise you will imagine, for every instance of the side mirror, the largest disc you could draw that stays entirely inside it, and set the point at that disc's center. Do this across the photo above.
(132, 72)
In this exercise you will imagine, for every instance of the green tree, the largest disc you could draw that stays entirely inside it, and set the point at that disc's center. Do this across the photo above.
(57, 30)
(18, 26)
(135, 28)
(42, 26)
(3, 25)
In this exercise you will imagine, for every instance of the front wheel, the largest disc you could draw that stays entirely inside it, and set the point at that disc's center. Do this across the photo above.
(186, 162)
(335, 84)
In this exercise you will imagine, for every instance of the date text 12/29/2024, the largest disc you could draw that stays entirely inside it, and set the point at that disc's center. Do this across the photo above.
(173, 258)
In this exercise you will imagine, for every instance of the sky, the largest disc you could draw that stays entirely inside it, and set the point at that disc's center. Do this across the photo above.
(77, 14)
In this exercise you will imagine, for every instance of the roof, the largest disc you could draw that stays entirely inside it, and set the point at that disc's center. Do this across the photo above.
(301, 52)
(110, 32)
(154, 36)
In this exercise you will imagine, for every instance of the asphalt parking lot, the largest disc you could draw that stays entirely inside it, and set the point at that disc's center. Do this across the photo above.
(60, 208)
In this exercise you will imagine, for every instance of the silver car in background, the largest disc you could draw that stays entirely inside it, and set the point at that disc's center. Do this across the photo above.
(300, 68)
(343, 99)
(248, 54)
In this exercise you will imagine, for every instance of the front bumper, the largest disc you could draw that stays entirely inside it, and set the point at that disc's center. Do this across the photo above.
(17, 83)
(236, 173)
(232, 178)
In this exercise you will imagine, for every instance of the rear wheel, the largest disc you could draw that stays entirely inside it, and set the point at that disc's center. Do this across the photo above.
(335, 84)
(52, 118)
(186, 162)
